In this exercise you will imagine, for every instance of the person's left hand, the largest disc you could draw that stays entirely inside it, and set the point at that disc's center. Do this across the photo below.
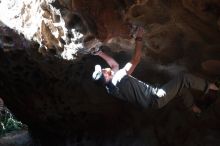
(140, 32)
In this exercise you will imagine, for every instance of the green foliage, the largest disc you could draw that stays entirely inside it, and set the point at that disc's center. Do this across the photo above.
(8, 123)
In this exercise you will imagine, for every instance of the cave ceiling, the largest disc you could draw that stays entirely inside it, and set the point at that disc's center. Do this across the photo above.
(46, 72)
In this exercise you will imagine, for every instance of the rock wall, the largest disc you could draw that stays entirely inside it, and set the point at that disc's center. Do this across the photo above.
(57, 99)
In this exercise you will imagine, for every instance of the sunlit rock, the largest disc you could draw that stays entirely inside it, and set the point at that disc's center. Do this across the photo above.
(53, 93)
(41, 22)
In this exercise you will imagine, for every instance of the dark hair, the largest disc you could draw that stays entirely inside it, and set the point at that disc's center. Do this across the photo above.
(101, 81)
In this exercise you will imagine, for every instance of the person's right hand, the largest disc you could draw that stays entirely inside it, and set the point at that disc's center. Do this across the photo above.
(97, 52)
(140, 32)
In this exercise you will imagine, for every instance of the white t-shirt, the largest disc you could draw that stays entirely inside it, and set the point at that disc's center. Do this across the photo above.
(120, 74)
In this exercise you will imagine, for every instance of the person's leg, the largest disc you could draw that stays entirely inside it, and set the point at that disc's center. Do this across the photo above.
(213, 86)
(188, 101)
(178, 86)
(187, 98)
(212, 95)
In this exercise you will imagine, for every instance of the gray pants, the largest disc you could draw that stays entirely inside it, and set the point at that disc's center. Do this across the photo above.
(179, 86)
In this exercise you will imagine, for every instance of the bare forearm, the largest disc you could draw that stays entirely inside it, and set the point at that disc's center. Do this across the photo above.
(130, 66)
(111, 62)
(137, 54)
(136, 58)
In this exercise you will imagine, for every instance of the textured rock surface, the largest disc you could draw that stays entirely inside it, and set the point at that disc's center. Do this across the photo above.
(57, 96)
(19, 138)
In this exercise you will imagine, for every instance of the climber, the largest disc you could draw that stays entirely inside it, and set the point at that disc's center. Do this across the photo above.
(122, 85)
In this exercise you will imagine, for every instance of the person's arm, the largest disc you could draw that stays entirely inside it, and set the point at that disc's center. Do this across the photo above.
(130, 66)
(111, 62)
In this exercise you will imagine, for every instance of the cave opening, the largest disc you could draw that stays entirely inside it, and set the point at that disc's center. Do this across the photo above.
(46, 71)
